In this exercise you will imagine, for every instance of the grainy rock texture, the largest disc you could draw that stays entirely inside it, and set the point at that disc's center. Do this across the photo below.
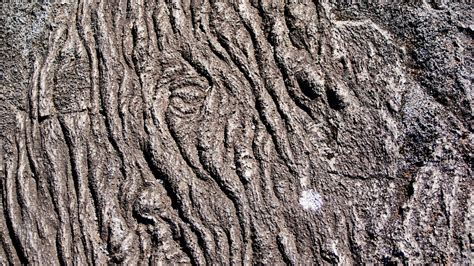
(262, 132)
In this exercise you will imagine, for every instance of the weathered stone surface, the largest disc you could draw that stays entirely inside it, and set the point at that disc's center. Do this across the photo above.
(262, 132)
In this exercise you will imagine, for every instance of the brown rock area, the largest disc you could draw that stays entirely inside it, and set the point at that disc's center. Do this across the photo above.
(236, 132)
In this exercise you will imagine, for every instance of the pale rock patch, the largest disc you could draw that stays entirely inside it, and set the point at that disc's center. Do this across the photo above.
(311, 200)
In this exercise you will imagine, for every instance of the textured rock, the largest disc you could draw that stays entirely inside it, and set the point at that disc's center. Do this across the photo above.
(236, 133)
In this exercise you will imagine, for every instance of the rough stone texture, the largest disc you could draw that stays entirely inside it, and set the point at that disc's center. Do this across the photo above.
(255, 132)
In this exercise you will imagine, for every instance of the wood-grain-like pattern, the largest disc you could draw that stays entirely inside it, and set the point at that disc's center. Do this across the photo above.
(217, 132)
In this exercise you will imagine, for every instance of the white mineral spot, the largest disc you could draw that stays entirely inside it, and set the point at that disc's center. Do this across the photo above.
(247, 174)
(311, 200)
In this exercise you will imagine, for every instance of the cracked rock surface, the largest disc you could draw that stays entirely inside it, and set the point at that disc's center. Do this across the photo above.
(236, 132)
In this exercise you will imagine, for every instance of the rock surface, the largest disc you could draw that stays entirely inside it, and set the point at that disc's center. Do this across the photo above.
(261, 132)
